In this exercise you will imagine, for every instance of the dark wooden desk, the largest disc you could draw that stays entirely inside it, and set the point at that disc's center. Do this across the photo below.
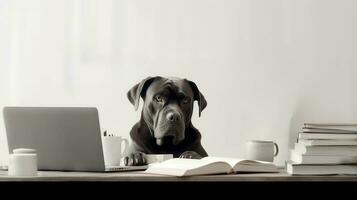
(139, 176)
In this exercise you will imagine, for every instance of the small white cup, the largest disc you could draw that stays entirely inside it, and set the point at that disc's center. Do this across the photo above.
(23, 162)
(112, 149)
(157, 158)
(261, 150)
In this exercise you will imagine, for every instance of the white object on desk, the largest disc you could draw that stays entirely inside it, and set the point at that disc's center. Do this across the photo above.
(154, 158)
(23, 162)
(112, 149)
(261, 150)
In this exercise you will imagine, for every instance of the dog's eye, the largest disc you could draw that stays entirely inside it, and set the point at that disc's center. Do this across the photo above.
(185, 100)
(158, 98)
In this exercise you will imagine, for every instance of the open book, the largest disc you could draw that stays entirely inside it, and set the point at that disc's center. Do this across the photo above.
(209, 165)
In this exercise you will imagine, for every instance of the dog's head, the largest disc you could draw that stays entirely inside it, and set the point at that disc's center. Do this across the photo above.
(168, 106)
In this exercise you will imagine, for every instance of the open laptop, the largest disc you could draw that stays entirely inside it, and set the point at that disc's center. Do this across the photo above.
(65, 138)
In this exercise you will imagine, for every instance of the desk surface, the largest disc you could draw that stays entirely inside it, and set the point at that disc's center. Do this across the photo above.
(140, 176)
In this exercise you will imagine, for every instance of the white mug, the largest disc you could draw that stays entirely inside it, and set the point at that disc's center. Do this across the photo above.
(112, 149)
(23, 162)
(261, 150)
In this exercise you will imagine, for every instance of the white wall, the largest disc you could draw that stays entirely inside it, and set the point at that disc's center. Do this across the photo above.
(265, 66)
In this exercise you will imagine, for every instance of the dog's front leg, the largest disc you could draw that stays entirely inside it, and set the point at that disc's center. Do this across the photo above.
(135, 159)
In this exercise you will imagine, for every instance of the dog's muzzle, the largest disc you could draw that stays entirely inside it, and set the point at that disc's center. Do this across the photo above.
(172, 129)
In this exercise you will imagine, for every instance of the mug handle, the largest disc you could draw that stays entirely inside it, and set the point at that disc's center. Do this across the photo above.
(126, 145)
(276, 149)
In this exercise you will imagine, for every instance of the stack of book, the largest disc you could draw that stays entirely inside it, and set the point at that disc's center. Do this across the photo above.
(324, 149)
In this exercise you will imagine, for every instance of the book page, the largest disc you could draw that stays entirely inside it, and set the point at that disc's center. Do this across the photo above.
(234, 161)
(230, 161)
(185, 164)
(245, 165)
(183, 167)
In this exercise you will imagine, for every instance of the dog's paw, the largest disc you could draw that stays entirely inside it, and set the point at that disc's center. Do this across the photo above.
(190, 154)
(135, 159)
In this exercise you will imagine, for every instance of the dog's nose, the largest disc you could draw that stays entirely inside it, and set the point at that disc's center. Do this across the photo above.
(173, 117)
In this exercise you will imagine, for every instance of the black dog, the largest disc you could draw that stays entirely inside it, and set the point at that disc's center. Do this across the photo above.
(165, 126)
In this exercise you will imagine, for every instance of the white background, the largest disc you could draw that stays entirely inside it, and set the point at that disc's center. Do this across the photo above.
(265, 66)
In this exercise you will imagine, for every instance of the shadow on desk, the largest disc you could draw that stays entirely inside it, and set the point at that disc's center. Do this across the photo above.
(182, 190)
(144, 185)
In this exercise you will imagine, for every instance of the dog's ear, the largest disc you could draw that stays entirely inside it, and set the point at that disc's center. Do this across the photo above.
(202, 103)
(138, 91)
